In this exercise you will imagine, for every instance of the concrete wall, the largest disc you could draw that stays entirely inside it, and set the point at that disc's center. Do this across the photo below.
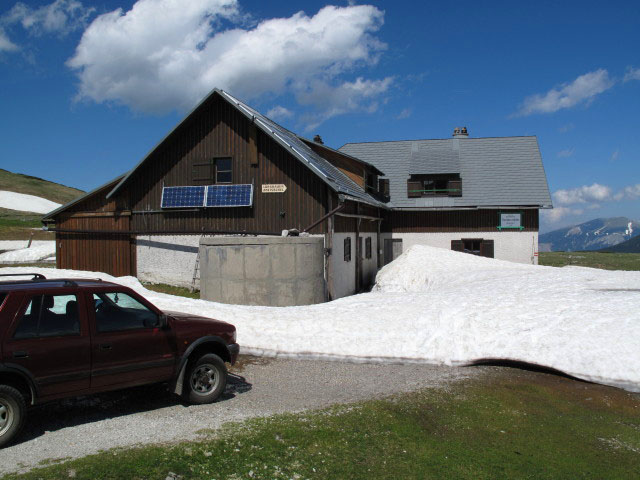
(508, 245)
(276, 271)
(167, 259)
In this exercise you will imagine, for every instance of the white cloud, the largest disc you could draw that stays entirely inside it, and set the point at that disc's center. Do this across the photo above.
(566, 153)
(165, 55)
(279, 113)
(406, 113)
(614, 156)
(631, 74)
(556, 214)
(60, 17)
(631, 192)
(583, 194)
(361, 95)
(582, 90)
(566, 128)
(6, 45)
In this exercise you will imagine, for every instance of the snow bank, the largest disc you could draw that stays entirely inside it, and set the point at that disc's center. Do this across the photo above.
(26, 203)
(18, 244)
(438, 306)
(33, 254)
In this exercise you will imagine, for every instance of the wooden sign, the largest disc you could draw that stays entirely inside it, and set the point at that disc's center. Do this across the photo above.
(510, 220)
(274, 188)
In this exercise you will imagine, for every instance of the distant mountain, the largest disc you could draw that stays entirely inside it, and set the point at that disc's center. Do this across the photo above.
(630, 246)
(593, 235)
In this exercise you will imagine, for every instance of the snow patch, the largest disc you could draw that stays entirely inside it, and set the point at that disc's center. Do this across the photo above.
(438, 306)
(33, 254)
(26, 203)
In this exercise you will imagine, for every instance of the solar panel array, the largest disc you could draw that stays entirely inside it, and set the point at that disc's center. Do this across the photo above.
(179, 197)
(229, 195)
(207, 196)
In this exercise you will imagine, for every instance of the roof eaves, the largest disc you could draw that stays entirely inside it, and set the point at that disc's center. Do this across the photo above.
(50, 215)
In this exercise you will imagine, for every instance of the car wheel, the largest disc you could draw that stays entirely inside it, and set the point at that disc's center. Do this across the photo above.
(206, 379)
(12, 413)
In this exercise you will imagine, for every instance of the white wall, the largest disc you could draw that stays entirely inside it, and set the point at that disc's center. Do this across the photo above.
(508, 245)
(343, 274)
(167, 259)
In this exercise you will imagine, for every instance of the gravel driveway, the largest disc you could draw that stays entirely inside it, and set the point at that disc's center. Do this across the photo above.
(257, 387)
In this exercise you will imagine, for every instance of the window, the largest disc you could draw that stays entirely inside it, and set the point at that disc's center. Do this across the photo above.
(223, 170)
(119, 311)
(49, 316)
(347, 249)
(367, 247)
(474, 246)
(447, 185)
(216, 170)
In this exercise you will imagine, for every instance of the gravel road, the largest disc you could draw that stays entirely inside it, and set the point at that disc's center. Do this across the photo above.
(257, 387)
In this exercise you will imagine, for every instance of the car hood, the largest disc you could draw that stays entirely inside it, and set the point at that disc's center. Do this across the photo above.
(189, 317)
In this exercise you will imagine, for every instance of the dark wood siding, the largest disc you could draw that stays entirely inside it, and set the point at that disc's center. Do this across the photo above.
(452, 221)
(216, 129)
(111, 253)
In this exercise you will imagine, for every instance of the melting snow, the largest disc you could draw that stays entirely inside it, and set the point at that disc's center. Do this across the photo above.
(33, 254)
(26, 203)
(438, 306)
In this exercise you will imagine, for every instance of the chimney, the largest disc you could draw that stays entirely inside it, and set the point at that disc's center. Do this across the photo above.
(318, 139)
(460, 132)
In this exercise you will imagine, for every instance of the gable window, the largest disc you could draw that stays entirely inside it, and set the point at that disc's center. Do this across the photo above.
(347, 249)
(444, 185)
(213, 171)
(223, 170)
(474, 246)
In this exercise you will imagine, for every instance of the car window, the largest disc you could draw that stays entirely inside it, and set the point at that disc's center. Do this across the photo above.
(119, 311)
(49, 316)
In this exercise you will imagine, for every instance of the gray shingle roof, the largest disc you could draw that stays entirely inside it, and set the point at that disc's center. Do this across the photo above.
(495, 171)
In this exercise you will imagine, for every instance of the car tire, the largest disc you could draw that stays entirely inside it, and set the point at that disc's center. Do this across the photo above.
(13, 411)
(206, 379)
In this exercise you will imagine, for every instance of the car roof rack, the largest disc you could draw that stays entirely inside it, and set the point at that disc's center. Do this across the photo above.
(36, 276)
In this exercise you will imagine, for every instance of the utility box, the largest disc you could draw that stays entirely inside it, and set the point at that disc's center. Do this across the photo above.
(273, 271)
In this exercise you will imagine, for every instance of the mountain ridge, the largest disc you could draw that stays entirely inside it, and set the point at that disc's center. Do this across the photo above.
(596, 234)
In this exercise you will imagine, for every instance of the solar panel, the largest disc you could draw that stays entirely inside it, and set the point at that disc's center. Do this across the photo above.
(179, 197)
(229, 195)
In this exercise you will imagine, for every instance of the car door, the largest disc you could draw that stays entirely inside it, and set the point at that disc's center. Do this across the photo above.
(128, 346)
(49, 338)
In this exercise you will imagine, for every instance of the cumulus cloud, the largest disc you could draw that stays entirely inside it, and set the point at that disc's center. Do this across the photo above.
(583, 194)
(583, 89)
(332, 100)
(60, 17)
(556, 214)
(279, 113)
(631, 74)
(566, 153)
(631, 192)
(165, 55)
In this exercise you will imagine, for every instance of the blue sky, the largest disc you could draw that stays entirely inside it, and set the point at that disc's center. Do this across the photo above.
(87, 88)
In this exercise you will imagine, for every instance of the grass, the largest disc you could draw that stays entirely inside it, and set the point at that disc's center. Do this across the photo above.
(172, 290)
(17, 182)
(607, 261)
(506, 424)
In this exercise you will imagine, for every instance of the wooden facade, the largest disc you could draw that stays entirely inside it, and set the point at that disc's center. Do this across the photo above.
(476, 220)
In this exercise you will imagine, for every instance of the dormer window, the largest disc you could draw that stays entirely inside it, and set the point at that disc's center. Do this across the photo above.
(443, 185)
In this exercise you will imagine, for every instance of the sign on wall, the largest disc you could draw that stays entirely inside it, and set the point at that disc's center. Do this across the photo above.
(274, 188)
(510, 220)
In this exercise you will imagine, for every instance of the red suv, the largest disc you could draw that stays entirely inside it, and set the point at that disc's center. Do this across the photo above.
(68, 337)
